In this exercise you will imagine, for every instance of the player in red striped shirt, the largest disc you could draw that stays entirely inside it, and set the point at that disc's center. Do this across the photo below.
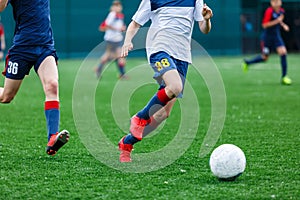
(114, 27)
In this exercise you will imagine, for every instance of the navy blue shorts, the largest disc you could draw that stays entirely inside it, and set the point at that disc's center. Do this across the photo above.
(271, 43)
(161, 62)
(20, 60)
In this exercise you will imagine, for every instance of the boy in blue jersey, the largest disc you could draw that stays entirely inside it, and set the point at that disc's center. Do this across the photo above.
(33, 45)
(271, 39)
(168, 50)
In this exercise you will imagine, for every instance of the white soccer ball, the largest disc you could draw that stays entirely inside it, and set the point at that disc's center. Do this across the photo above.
(227, 162)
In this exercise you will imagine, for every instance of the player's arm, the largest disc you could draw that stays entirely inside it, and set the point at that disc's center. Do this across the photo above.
(273, 22)
(123, 28)
(130, 33)
(267, 20)
(3, 45)
(141, 16)
(3, 4)
(285, 26)
(205, 25)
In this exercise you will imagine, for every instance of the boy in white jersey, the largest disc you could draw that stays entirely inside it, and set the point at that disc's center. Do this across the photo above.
(168, 51)
(113, 27)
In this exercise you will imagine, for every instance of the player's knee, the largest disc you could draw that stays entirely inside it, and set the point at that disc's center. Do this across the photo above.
(175, 89)
(265, 57)
(51, 87)
(282, 53)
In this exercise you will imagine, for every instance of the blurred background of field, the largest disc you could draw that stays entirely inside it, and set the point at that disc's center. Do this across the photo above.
(236, 25)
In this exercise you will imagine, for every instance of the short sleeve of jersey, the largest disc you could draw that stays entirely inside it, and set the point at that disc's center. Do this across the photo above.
(110, 18)
(143, 13)
(198, 11)
(267, 15)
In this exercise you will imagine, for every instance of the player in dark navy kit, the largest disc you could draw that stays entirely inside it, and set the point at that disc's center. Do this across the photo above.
(33, 46)
(271, 39)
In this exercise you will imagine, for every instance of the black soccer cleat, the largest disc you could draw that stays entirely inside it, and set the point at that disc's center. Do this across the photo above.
(57, 141)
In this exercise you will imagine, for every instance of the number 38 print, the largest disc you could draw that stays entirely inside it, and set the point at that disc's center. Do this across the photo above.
(164, 63)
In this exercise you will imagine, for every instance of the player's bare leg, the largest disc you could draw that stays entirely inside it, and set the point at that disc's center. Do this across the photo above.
(173, 83)
(10, 89)
(159, 117)
(173, 87)
(121, 62)
(164, 112)
(140, 121)
(106, 57)
(48, 74)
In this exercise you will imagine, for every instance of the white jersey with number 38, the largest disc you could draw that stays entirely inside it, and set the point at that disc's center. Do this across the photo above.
(171, 25)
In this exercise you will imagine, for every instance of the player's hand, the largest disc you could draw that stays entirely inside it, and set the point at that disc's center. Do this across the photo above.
(123, 29)
(280, 18)
(126, 48)
(207, 12)
(285, 27)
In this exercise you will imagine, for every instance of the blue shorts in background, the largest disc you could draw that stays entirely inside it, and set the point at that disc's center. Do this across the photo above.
(113, 46)
(270, 43)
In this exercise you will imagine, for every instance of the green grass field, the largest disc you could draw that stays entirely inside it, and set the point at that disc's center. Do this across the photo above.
(262, 118)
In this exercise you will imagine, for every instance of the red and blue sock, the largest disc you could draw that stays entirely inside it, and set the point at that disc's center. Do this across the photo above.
(159, 100)
(52, 117)
(130, 139)
(121, 68)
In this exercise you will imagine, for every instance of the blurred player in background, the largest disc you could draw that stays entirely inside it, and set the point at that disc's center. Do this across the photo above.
(113, 26)
(168, 48)
(33, 46)
(271, 39)
(2, 40)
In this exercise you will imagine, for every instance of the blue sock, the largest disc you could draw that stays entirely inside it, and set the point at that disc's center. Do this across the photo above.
(159, 100)
(130, 139)
(283, 65)
(52, 117)
(256, 59)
